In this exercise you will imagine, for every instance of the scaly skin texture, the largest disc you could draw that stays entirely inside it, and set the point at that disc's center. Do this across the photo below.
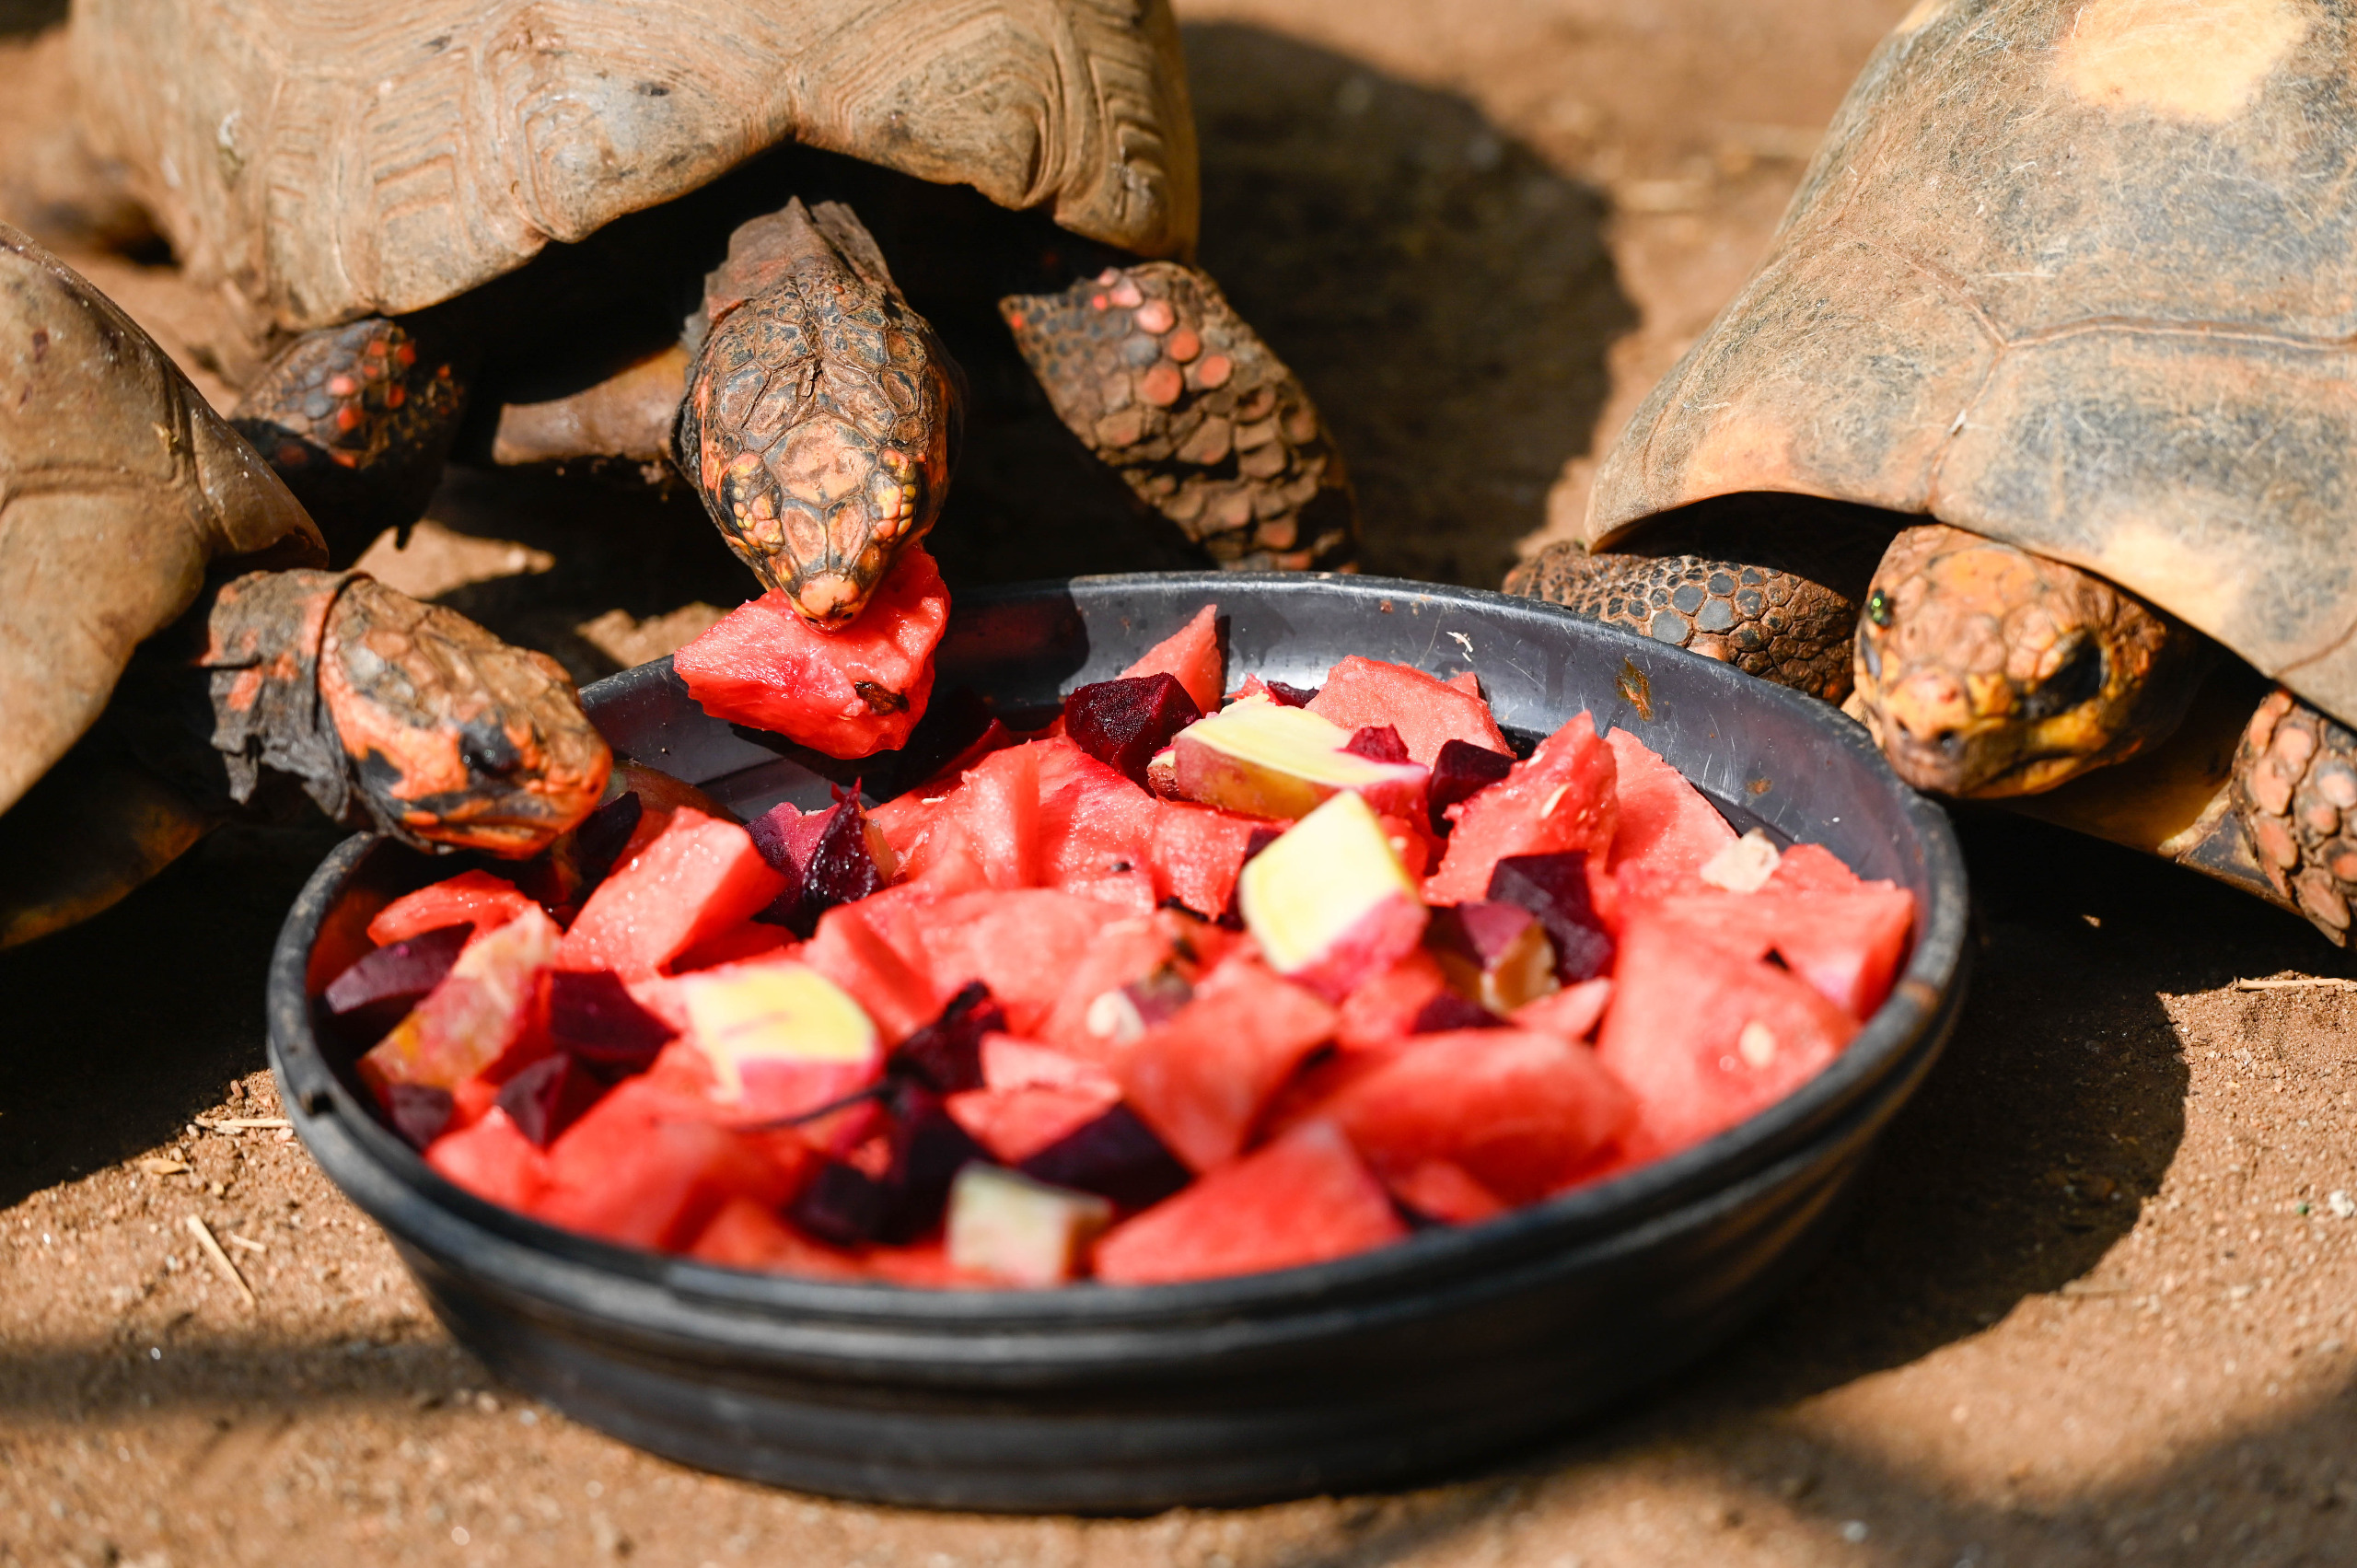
(1151, 367)
(2295, 788)
(405, 717)
(357, 420)
(822, 413)
(1985, 670)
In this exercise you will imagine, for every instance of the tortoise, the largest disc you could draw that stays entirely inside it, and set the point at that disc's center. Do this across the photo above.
(172, 647)
(2030, 439)
(512, 207)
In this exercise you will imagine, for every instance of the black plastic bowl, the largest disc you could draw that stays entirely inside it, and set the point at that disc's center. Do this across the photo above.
(1390, 1364)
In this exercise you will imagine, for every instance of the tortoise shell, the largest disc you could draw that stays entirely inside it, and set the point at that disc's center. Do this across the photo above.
(2076, 275)
(119, 485)
(337, 159)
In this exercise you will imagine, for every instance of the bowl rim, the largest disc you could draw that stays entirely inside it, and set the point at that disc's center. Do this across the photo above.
(546, 1263)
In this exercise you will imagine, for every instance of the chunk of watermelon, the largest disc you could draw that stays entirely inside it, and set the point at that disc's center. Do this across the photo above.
(1306, 1197)
(647, 1167)
(847, 694)
(1522, 1113)
(1439, 1190)
(1196, 850)
(1561, 798)
(1015, 1123)
(699, 877)
(492, 1158)
(471, 897)
(894, 993)
(1568, 1014)
(1384, 1007)
(1096, 828)
(1193, 655)
(1201, 1080)
(483, 1011)
(1428, 714)
(1667, 824)
(746, 1235)
(1127, 950)
(1025, 943)
(1705, 1036)
(1846, 944)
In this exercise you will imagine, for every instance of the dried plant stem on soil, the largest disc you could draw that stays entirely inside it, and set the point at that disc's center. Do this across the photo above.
(220, 1259)
(2299, 982)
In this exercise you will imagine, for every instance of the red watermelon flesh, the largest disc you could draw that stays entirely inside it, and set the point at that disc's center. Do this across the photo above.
(1025, 943)
(1096, 827)
(997, 809)
(1705, 1037)
(1306, 1198)
(1522, 1113)
(1440, 1190)
(896, 993)
(1193, 655)
(1427, 713)
(1014, 1124)
(745, 1235)
(847, 694)
(1666, 823)
(1464, 680)
(492, 1160)
(1196, 850)
(1561, 798)
(1012, 1064)
(1202, 1079)
(471, 897)
(645, 1167)
(482, 1018)
(734, 946)
(1568, 1014)
(1385, 1006)
(1846, 944)
(1813, 868)
(699, 878)
(1130, 949)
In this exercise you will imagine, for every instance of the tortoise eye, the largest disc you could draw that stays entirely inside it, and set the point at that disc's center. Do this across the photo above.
(1878, 608)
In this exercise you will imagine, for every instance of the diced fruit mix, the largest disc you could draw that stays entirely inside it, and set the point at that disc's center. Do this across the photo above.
(1179, 987)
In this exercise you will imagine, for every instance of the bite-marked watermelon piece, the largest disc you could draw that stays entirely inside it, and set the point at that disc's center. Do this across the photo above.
(1329, 901)
(1025, 1232)
(1305, 1198)
(1666, 823)
(1571, 1013)
(1264, 759)
(493, 1160)
(1361, 692)
(474, 899)
(1522, 1113)
(381, 987)
(1192, 654)
(645, 1167)
(1128, 962)
(1561, 798)
(784, 1040)
(893, 992)
(1705, 1036)
(697, 878)
(484, 1008)
(848, 693)
(1442, 1191)
(746, 1235)
(1201, 1080)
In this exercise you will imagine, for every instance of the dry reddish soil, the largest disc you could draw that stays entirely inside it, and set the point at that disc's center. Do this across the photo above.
(2095, 1304)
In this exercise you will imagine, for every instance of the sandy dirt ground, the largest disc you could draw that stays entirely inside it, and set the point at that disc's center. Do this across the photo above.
(2095, 1303)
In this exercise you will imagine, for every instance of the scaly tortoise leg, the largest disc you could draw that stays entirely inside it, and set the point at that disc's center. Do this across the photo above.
(358, 420)
(2295, 789)
(406, 716)
(1152, 368)
(1778, 624)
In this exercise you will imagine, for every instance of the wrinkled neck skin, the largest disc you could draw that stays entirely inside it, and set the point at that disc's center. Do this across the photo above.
(1985, 671)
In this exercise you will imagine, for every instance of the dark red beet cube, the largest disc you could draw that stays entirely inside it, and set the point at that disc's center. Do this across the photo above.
(1291, 696)
(380, 988)
(929, 1148)
(827, 854)
(1462, 771)
(946, 1056)
(843, 1204)
(1377, 743)
(1482, 932)
(1554, 888)
(419, 1111)
(1114, 1157)
(592, 1016)
(1448, 1011)
(1123, 723)
(549, 1096)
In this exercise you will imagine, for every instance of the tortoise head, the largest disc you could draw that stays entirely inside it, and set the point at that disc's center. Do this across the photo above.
(451, 735)
(1985, 670)
(822, 415)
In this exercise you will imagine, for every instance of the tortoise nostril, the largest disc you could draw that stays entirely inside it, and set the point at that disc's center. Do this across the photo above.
(485, 749)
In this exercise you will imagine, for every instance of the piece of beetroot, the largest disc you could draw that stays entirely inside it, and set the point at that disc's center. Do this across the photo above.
(1448, 1011)
(842, 1204)
(830, 857)
(1493, 952)
(946, 1056)
(549, 1096)
(1377, 743)
(1555, 889)
(1291, 696)
(593, 1017)
(380, 988)
(926, 1149)
(420, 1112)
(1461, 771)
(1115, 1156)
(1123, 723)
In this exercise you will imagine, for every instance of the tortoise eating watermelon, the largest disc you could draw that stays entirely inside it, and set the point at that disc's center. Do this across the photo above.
(2030, 437)
(170, 648)
(372, 186)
